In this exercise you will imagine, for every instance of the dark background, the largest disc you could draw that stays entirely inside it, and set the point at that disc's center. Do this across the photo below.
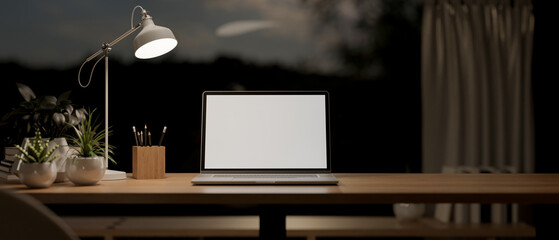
(375, 118)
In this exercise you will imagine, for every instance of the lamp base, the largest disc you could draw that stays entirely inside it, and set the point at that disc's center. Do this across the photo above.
(114, 175)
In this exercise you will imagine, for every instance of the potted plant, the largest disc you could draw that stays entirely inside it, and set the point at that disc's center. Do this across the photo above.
(51, 115)
(88, 165)
(37, 169)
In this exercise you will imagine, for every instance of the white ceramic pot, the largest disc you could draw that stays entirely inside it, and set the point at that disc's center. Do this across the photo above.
(37, 175)
(408, 211)
(64, 153)
(85, 171)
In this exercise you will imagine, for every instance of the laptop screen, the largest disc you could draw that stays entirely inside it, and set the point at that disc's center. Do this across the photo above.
(265, 131)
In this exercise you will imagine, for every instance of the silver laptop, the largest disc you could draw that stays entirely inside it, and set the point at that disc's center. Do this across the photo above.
(270, 137)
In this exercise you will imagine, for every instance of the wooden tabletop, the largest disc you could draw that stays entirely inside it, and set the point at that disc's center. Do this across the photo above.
(353, 188)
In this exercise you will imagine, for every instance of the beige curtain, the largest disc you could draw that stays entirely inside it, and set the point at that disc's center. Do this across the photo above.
(476, 84)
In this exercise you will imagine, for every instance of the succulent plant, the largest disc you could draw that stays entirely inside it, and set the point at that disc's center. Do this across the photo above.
(38, 151)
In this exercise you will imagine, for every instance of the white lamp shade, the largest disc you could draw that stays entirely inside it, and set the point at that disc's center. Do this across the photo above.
(153, 41)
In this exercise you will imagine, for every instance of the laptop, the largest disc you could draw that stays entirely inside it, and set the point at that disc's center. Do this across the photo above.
(265, 137)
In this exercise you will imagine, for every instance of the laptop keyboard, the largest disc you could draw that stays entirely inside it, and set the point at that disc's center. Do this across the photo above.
(266, 176)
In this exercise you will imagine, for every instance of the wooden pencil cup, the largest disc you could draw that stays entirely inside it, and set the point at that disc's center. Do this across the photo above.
(148, 162)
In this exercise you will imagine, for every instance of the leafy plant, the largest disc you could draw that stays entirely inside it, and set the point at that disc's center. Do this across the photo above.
(37, 152)
(51, 115)
(89, 138)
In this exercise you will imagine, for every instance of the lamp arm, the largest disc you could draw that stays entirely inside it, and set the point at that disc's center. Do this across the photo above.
(107, 46)
(123, 35)
(105, 49)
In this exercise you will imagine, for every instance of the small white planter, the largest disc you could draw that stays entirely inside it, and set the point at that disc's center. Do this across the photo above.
(408, 211)
(37, 175)
(64, 153)
(85, 171)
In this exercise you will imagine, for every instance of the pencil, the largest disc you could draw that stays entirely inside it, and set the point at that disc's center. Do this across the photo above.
(162, 135)
(146, 135)
(135, 137)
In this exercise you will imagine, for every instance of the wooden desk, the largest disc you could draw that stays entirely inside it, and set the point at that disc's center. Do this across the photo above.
(352, 189)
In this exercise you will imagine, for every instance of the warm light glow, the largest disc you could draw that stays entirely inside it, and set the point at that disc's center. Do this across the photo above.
(156, 48)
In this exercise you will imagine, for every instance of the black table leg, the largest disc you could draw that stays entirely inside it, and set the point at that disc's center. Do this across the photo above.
(272, 222)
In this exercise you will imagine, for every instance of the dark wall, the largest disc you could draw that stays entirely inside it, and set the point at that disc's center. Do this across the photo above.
(545, 88)
(371, 120)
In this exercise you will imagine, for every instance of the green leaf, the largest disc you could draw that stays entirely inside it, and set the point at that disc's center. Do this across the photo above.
(64, 97)
(69, 108)
(47, 103)
(58, 119)
(25, 92)
(80, 114)
(73, 120)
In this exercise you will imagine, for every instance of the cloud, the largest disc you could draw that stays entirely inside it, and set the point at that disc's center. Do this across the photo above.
(241, 27)
(292, 20)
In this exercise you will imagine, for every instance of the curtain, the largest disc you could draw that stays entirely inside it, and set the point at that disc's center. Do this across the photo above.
(476, 84)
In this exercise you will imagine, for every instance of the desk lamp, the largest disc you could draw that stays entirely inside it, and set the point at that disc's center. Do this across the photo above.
(153, 41)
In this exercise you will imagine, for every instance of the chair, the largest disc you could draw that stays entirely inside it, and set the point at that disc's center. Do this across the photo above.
(23, 217)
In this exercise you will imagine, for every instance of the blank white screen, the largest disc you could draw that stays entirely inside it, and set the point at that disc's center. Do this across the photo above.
(266, 132)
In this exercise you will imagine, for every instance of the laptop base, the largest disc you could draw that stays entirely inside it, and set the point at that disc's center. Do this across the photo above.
(265, 179)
